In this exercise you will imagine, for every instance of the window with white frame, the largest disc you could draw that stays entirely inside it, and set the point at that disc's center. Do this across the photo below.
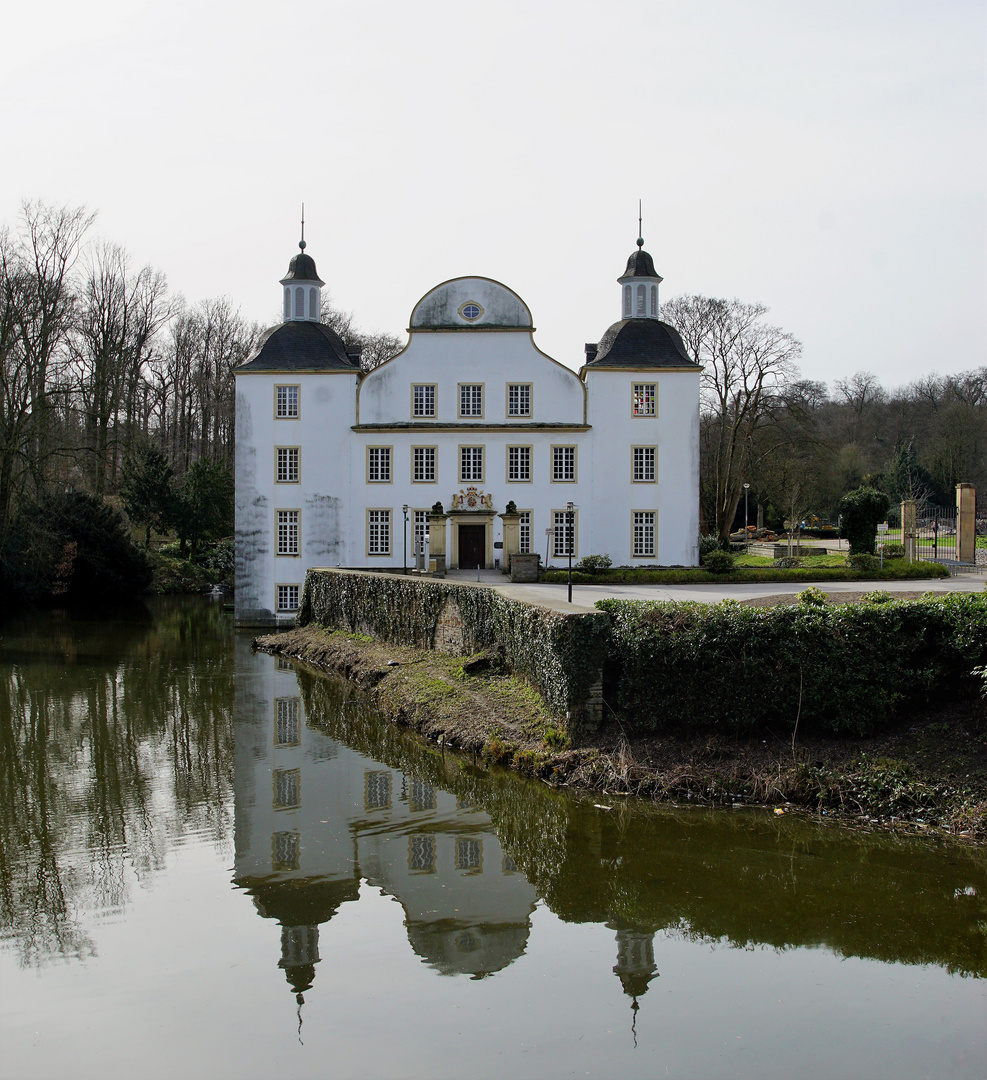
(286, 402)
(287, 598)
(423, 464)
(519, 463)
(423, 400)
(519, 399)
(287, 721)
(654, 301)
(378, 532)
(288, 469)
(644, 464)
(564, 532)
(627, 302)
(378, 464)
(524, 532)
(420, 534)
(471, 464)
(644, 533)
(644, 399)
(470, 399)
(287, 532)
(563, 464)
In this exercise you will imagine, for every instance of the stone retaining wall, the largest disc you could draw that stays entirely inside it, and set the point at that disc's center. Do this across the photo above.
(561, 654)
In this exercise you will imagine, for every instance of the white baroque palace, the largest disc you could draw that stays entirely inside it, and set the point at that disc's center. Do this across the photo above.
(337, 467)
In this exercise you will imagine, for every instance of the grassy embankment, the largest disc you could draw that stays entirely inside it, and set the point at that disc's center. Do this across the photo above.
(928, 770)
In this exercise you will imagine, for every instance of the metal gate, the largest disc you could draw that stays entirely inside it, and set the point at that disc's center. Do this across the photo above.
(935, 533)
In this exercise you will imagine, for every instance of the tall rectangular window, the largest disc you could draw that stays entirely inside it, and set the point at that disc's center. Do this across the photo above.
(470, 399)
(524, 532)
(420, 534)
(469, 853)
(563, 464)
(284, 851)
(378, 532)
(643, 533)
(287, 598)
(423, 464)
(644, 399)
(287, 532)
(564, 532)
(519, 399)
(421, 854)
(519, 463)
(378, 464)
(286, 402)
(287, 788)
(643, 464)
(288, 470)
(377, 790)
(287, 729)
(423, 399)
(471, 464)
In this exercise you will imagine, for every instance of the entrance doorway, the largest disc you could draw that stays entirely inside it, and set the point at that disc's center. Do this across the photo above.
(472, 541)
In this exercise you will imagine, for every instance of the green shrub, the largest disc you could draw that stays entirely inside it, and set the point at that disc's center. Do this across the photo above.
(593, 564)
(860, 512)
(718, 562)
(789, 562)
(74, 546)
(861, 561)
(812, 597)
(894, 551)
(878, 596)
(709, 542)
(848, 668)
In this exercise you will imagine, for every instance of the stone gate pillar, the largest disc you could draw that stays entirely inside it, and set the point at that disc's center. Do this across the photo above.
(437, 542)
(512, 538)
(908, 534)
(966, 523)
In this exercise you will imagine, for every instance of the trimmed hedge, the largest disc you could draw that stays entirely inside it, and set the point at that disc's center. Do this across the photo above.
(847, 669)
(560, 654)
(896, 570)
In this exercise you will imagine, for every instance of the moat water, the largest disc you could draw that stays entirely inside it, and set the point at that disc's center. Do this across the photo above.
(213, 864)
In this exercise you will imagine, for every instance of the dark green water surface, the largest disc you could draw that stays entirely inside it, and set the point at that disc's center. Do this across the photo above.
(215, 865)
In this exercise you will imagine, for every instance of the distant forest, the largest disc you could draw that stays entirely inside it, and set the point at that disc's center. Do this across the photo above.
(99, 364)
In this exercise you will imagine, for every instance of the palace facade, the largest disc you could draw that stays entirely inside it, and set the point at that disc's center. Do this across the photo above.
(470, 442)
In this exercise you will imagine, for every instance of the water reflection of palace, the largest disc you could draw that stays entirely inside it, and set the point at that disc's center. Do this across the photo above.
(314, 818)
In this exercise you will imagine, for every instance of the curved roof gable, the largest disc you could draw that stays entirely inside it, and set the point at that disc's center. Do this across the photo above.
(471, 303)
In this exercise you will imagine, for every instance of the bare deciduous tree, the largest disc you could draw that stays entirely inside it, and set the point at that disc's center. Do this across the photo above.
(746, 366)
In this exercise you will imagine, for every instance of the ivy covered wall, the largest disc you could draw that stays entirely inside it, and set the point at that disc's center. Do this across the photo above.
(560, 654)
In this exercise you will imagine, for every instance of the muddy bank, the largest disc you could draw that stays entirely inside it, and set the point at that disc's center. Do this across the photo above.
(930, 773)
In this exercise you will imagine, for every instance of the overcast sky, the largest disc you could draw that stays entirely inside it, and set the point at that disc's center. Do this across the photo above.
(827, 160)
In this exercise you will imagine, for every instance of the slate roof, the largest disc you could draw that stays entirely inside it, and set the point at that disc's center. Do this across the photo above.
(642, 343)
(295, 346)
(302, 268)
(640, 264)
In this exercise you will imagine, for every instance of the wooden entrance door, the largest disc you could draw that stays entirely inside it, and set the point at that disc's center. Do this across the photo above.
(472, 541)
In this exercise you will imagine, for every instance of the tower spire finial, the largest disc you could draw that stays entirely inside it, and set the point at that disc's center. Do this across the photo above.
(640, 237)
(301, 243)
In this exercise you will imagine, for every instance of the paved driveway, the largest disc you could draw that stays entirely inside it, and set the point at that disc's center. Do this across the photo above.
(585, 596)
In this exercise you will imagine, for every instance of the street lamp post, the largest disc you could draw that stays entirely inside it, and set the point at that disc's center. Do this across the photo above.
(569, 544)
(747, 535)
(405, 510)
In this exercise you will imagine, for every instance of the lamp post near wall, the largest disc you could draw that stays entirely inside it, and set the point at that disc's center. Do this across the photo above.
(747, 535)
(405, 509)
(569, 507)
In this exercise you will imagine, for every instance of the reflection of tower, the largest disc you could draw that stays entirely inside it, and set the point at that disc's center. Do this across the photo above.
(299, 955)
(635, 965)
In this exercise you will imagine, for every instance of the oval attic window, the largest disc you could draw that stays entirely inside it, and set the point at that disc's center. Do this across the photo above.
(471, 311)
